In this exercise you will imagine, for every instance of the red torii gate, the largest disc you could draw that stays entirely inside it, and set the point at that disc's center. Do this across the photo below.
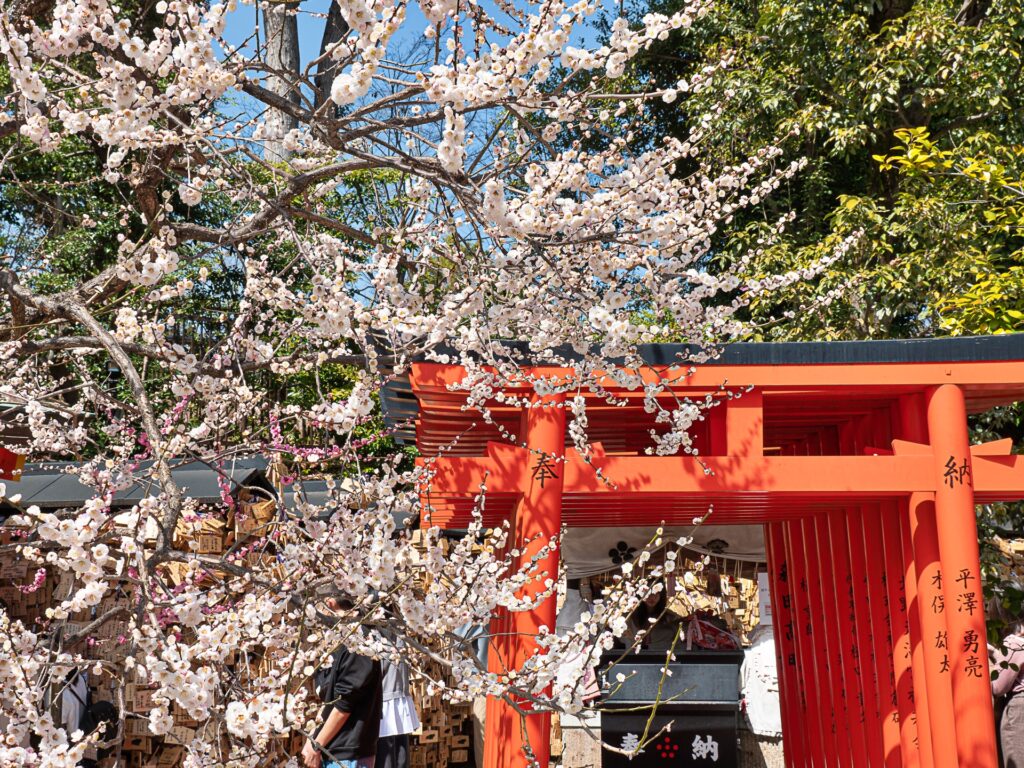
(855, 457)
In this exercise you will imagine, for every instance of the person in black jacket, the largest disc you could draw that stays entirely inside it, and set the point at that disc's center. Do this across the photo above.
(351, 690)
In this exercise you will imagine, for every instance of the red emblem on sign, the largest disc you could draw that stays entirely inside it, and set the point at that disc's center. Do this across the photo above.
(666, 748)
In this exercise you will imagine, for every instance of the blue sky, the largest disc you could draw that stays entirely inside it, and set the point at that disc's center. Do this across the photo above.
(242, 23)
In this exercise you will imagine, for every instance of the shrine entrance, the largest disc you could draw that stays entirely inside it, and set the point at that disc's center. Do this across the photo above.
(856, 459)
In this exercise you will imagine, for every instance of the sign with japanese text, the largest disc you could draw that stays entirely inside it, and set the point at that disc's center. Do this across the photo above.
(695, 740)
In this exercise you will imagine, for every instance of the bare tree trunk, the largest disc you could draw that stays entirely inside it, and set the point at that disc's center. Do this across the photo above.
(326, 70)
(973, 12)
(281, 29)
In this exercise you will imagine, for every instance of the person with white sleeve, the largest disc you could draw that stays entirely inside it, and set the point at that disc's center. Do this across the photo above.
(398, 717)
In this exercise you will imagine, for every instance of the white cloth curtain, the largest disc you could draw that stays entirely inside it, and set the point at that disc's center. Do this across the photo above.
(590, 551)
(760, 678)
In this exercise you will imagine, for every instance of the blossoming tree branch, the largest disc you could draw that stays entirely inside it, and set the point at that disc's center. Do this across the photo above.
(284, 237)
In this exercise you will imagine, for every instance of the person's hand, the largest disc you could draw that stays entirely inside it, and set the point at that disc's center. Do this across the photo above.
(311, 756)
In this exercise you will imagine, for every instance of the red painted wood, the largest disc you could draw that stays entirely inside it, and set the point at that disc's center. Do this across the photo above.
(792, 699)
(961, 578)
(11, 465)
(846, 612)
(816, 725)
(900, 649)
(808, 454)
(511, 737)
(931, 608)
(759, 482)
(824, 599)
(881, 635)
(994, 377)
(922, 716)
(868, 694)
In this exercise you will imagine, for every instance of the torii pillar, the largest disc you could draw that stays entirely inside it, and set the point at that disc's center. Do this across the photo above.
(511, 734)
(961, 577)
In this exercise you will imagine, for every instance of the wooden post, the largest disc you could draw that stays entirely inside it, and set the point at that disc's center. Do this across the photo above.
(961, 577)
(931, 607)
(852, 440)
(825, 600)
(902, 658)
(918, 664)
(881, 635)
(510, 735)
(812, 676)
(846, 610)
(792, 700)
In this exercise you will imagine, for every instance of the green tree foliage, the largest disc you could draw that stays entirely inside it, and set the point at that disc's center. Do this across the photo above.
(910, 117)
(987, 174)
(62, 220)
(853, 87)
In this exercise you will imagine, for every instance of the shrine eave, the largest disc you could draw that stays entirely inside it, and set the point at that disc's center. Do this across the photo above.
(989, 369)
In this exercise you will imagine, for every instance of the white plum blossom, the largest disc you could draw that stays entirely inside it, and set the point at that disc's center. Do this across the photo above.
(451, 152)
(443, 207)
(189, 193)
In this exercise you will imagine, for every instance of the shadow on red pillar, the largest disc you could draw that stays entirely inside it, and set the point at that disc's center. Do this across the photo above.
(867, 696)
(818, 724)
(854, 436)
(824, 599)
